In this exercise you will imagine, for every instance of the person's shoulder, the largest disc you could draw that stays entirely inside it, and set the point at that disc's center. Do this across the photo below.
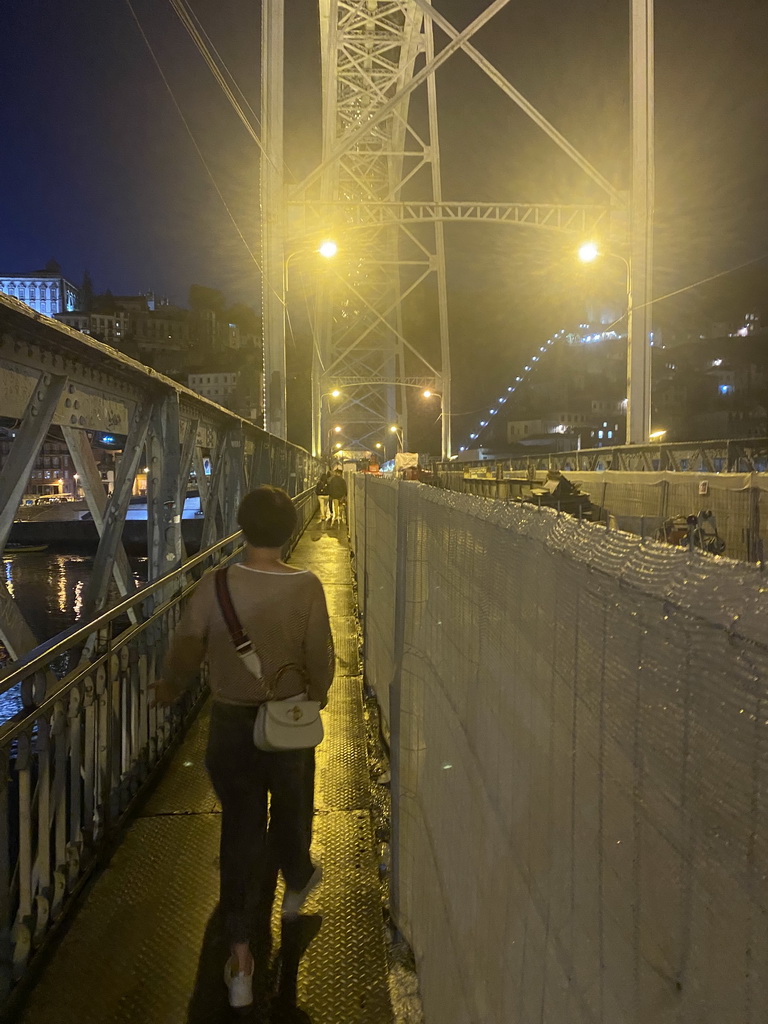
(207, 586)
(313, 584)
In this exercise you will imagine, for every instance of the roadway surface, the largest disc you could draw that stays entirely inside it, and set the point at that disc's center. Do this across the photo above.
(146, 945)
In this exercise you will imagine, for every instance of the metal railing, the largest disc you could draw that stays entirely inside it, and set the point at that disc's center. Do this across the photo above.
(84, 745)
(744, 455)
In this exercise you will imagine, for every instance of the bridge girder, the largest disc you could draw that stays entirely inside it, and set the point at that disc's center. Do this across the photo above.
(53, 378)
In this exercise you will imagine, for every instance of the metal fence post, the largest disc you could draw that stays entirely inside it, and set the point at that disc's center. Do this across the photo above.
(754, 543)
(395, 689)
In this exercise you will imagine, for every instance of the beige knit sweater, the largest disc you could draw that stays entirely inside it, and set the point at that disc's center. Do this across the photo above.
(286, 617)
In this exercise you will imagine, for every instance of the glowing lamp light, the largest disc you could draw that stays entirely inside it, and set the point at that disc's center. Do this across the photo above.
(473, 437)
(338, 444)
(588, 252)
(483, 423)
(337, 430)
(656, 435)
(379, 444)
(393, 430)
(328, 249)
(335, 393)
(427, 393)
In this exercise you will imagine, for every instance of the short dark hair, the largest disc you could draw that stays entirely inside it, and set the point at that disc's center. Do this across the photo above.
(267, 517)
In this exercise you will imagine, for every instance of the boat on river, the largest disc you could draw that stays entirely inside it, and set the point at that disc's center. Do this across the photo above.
(23, 549)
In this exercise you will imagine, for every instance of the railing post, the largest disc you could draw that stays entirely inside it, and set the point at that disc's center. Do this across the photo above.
(6, 953)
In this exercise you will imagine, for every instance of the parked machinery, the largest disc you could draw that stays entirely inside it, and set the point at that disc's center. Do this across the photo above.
(560, 493)
(698, 530)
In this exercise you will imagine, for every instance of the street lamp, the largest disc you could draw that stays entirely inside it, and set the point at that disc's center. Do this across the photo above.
(638, 384)
(327, 249)
(588, 252)
(399, 435)
(331, 431)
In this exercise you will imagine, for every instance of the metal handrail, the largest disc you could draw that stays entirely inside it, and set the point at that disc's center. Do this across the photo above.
(740, 448)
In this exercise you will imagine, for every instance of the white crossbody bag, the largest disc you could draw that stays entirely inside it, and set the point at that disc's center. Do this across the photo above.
(290, 724)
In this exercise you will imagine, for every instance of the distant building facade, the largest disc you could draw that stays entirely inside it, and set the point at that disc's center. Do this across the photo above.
(218, 387)
(111, 328)
(53, 472)
(46, 291)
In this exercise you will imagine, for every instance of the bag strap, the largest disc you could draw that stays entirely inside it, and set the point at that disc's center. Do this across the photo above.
(240, 638)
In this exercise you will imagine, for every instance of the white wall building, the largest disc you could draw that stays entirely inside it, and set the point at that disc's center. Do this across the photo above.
(46, 291)
(219, 387)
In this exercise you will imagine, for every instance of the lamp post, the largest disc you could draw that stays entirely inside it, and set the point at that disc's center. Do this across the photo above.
(334, 432)
(327, 249)
(638, 357)
(399, 435)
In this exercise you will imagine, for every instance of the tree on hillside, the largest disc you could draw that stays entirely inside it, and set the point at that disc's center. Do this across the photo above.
(202, 297)
(86, 293)
(246, 318)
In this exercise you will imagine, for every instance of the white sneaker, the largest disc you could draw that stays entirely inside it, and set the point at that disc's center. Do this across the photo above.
(294, 901)
(240, 985)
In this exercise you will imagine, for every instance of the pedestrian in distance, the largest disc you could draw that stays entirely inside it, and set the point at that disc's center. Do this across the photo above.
(321, 489)
(337, 491)
(283, 613)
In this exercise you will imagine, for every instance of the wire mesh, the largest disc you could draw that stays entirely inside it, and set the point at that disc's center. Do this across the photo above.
(582, 757)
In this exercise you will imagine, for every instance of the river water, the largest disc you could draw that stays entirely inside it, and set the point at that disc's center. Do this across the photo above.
(49, 589)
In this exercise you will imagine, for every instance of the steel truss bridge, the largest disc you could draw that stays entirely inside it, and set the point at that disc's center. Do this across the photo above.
(52, 377)
(84, 742)
(378, 190)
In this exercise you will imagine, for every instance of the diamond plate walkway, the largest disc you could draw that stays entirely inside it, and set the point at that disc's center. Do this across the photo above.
(146, 947)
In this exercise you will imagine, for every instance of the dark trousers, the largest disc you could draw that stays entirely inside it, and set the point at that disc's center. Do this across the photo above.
(244, 777)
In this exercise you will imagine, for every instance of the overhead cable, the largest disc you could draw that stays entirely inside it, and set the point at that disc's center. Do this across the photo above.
(190, 133)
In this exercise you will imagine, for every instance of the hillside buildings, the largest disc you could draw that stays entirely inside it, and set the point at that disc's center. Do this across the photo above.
(46, 291)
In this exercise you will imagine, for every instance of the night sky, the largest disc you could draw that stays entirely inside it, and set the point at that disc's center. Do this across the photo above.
(98, 171)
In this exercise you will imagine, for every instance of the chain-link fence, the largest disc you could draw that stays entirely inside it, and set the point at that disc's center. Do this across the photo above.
(579, 734)
(641, 502)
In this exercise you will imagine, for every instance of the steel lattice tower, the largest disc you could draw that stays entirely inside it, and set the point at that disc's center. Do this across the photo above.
(378, 193)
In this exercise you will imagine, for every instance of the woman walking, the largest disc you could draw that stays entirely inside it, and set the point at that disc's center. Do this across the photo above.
(283, 612)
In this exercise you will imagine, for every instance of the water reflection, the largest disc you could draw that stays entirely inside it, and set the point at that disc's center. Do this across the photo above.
(49, 589)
